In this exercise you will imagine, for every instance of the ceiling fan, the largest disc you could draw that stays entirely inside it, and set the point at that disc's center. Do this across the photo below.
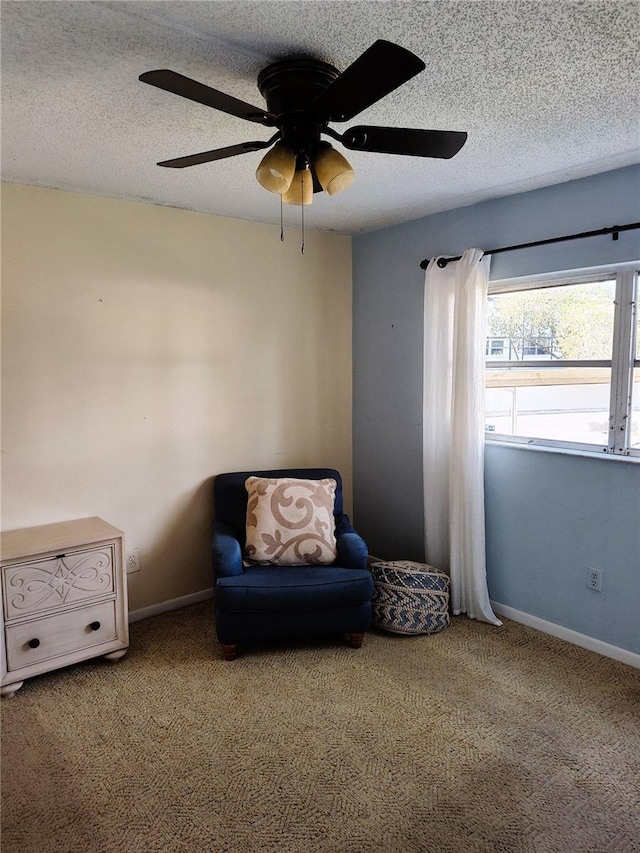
(302, 96)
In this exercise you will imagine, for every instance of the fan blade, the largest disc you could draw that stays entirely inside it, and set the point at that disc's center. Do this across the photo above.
(215, 154)
(381, 69)
(171, 81)
(443, 144)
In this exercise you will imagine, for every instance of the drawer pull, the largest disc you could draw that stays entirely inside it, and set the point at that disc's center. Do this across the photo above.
(95, 626)
(33, 644)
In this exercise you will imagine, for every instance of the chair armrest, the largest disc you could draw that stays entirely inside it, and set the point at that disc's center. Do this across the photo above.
(352, 549)
(226, 553)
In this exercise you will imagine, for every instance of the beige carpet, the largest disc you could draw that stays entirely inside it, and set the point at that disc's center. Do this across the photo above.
(477, 739)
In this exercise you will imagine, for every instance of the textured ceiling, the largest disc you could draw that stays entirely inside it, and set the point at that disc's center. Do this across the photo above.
(547, 91)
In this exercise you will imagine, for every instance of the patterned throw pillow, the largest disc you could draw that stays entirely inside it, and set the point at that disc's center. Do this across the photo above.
(290, 522)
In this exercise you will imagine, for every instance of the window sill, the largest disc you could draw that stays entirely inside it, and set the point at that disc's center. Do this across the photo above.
(566, 451)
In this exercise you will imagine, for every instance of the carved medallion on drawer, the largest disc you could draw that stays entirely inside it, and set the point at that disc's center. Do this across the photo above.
(53, 583)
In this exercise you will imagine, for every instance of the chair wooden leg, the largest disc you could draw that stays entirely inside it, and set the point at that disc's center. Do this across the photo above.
(229, 650)
(355, 640)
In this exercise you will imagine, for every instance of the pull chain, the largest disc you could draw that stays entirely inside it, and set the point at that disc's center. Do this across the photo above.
(281, 223)
(302, 209)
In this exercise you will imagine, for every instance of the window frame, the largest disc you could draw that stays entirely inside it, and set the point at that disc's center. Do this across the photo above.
(624, 357)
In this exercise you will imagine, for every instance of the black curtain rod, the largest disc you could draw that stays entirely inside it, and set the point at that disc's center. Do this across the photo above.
(614, 230)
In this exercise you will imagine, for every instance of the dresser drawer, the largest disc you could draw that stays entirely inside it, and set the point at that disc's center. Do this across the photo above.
(54, 582)
(51, 636)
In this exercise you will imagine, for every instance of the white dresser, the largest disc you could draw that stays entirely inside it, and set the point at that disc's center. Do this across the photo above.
(64, 597)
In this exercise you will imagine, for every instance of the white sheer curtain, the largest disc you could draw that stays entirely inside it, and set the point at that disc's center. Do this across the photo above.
(455, 306)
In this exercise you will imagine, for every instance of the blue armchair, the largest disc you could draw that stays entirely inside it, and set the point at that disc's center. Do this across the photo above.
(254, 603)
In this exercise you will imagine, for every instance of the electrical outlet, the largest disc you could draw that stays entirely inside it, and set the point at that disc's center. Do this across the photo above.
(134, 563)
(594, 579)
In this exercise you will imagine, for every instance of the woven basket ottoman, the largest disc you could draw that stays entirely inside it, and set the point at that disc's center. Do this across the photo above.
(409, 597)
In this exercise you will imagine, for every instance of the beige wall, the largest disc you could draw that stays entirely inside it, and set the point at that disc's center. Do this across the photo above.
(145, 349)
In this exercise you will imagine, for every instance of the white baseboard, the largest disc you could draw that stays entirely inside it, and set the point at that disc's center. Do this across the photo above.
(586, 642)
(172, 604)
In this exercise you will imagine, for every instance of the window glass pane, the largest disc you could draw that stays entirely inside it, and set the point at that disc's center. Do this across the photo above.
(564, 404)
(634, 440)
(570, 322)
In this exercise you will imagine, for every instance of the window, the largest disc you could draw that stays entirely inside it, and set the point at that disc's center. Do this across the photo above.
(563, 362)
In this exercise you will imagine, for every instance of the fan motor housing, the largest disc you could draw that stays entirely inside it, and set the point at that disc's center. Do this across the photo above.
(291, 85)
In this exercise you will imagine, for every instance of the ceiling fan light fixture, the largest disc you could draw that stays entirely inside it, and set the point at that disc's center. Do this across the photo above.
(302, 95)
(334, 171)
(276, 170)
(301, 189)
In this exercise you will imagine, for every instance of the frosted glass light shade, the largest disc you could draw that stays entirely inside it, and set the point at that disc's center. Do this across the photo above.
(333, 170)
(276, 169)
(301, 189)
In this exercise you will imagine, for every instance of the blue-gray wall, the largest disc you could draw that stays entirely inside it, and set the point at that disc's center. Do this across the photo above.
(549, 516)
